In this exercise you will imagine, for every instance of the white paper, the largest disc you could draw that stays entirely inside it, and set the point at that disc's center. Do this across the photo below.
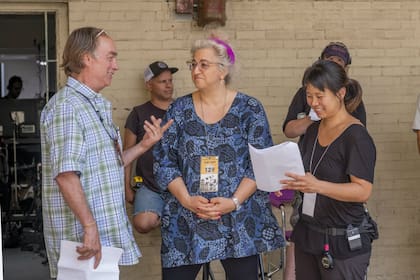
(270, 164)
(70, 268)
(308, 204)
(313, 116)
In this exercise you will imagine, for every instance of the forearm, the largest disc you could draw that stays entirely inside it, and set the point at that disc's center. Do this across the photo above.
(246, 188)
(127, 175)
(71, 189)
(347, 192)
(134, 152)
(298, 127)
(179, 191)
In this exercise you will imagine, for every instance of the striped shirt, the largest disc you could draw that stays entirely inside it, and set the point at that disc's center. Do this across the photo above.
(77, 134)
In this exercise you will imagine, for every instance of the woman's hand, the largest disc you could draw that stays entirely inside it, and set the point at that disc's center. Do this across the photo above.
(196, 204)
(307, 183)
(357, 190)
(217, 207)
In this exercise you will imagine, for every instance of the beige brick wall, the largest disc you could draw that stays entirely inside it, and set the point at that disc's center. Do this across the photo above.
(275, 40)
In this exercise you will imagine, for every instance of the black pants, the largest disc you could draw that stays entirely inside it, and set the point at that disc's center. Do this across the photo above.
(235, 268)
(308, 267)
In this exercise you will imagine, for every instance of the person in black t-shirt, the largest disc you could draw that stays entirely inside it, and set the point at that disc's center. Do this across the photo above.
(147, 201)
(333, 236)
(300, 117)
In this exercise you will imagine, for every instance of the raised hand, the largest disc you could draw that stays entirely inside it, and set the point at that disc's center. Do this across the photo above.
(154, 131)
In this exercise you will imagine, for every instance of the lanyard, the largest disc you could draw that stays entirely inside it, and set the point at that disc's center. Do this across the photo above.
(117, 130)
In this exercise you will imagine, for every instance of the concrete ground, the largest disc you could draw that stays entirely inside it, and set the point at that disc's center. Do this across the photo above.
(29, 265)
(24, 265)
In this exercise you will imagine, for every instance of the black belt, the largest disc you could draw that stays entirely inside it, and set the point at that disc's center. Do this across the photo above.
(339, 231)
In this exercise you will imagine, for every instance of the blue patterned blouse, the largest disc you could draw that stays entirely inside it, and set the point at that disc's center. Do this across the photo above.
(187, 239)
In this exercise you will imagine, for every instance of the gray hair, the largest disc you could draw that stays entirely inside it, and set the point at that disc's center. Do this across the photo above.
(220, 51)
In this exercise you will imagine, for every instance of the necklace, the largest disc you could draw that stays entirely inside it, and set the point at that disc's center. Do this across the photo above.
(114, 136)
(202, 108)
(312, 157)
(208, 142)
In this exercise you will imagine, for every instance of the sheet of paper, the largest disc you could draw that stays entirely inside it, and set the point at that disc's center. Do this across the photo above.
(70, 268)
(308, 204)
(313, 116)
(270, 164)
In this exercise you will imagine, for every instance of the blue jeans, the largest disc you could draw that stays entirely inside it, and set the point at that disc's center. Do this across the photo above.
(147, 201)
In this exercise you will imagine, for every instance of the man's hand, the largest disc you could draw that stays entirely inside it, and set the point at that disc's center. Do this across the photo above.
(91, 245)
(154, 131)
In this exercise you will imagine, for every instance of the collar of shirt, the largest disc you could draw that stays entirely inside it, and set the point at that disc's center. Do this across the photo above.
(82, 88)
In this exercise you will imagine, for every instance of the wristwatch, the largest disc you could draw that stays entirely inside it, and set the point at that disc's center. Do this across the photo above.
(301, 115)
(236, 201)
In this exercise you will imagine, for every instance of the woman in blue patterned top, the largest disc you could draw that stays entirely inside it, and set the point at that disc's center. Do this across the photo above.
(213, 210)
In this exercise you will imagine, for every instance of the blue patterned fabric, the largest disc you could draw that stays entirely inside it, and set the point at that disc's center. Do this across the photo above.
(187, 239)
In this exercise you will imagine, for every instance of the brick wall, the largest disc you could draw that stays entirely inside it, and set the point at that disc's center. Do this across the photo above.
(275, 40)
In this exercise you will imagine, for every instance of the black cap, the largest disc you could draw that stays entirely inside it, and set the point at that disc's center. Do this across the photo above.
(156, 68)
(337, 49)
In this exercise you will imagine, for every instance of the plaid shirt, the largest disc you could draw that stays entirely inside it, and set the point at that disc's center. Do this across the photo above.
(77, 134)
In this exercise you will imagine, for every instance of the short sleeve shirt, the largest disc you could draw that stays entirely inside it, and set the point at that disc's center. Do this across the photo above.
(187, 239)
(134, 123)
(352, 153)
(77, 134)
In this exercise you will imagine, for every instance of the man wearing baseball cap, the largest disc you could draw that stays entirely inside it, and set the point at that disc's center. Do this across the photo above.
(157, 68)
(300, 117)
(144, 193)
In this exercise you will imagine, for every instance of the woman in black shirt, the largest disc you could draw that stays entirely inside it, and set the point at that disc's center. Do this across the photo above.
(333, 239)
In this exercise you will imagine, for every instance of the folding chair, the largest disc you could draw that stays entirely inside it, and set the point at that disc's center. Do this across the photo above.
(207, 273)
(279, 202)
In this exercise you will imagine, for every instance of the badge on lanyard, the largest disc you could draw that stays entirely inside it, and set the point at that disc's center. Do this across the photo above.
(209, 174)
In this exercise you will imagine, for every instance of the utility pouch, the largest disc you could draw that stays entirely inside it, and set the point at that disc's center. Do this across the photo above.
(353, 237)
(371, 225)
(136, 182)
(373, 228)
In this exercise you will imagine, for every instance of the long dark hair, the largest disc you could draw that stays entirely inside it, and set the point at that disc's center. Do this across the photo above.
(325, 74)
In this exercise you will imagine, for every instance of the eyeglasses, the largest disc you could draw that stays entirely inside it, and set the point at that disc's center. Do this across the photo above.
(115, 136)
(202, 65)
(119, 152)
(100, 33)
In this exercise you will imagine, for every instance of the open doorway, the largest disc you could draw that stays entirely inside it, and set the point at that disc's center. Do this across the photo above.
(28, 77)
(28, 50)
